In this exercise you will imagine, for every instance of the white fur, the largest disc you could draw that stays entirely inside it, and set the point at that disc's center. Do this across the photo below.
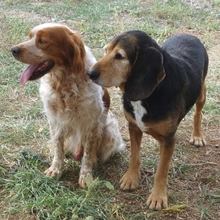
(83, 121)
(139, 112)
(75, 120)
(78, 120)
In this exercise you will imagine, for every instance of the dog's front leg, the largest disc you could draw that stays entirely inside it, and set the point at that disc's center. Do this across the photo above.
(89, 160)
(158, 197)
(56, 168)
(130, 180)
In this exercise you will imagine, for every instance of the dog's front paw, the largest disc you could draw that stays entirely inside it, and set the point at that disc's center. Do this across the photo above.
(197, 141)
(157, 200)
(55, 170)
(130, 180)
(85, 179)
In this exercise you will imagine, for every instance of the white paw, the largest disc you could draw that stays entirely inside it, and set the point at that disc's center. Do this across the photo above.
(55, 170)
(85, 179)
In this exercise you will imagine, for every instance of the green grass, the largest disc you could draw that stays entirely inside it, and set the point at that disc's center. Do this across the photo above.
(46, 198)
(26, 193)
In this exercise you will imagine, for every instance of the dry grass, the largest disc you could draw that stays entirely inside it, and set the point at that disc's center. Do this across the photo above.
(194, 176)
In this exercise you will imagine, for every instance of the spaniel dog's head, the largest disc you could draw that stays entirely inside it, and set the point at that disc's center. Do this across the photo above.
(134, 62)
(50, 46)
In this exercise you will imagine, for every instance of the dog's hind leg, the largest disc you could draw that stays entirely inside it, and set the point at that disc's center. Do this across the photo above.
(197, 138)
(112, 141)
(104, 141)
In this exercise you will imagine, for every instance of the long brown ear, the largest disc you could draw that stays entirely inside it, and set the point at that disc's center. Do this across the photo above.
(146, 74)
(76, 54)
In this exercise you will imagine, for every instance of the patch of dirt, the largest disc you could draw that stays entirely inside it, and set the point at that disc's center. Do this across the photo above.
(194, 178)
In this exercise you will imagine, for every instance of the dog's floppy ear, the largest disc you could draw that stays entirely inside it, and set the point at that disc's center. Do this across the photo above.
(146, 73)
(76, 54)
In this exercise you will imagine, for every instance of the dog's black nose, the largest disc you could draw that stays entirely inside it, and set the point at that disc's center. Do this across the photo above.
(93, 74)
(15, 51)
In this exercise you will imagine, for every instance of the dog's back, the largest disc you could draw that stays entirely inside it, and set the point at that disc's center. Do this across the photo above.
(190, 50)
(185, 64)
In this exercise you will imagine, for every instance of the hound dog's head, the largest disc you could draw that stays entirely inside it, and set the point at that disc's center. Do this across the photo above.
(134, 62)
(50, 46)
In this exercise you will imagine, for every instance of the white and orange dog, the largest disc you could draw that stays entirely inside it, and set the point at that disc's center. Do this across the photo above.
(76, 108)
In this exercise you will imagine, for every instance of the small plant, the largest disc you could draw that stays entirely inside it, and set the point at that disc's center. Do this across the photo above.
(26, 193)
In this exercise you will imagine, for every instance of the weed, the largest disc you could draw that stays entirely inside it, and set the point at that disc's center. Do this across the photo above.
(49, 198)
(25, 193)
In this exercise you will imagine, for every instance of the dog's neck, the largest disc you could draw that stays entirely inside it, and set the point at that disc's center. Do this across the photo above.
(65, 79)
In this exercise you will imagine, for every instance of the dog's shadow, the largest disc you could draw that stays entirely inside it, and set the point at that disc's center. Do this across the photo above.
(110, 170)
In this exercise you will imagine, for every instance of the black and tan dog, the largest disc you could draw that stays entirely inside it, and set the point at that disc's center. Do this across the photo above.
(159, 85)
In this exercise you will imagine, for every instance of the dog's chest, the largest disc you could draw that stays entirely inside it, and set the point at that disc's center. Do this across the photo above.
(139, 112)
(75, 106)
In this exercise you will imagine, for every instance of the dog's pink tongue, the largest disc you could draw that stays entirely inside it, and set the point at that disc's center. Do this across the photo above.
(26, 74)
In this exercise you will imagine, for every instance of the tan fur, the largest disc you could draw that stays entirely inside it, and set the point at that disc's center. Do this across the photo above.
(197, 135)
(109, 66)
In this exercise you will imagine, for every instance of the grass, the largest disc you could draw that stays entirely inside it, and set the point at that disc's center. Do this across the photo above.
(25, 192)
(46, 198)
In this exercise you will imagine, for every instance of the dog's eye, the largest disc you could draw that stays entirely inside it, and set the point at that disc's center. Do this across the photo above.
(41, 41)
(118, 56)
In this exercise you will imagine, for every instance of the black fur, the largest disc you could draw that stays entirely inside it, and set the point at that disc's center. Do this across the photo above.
(184, 62)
